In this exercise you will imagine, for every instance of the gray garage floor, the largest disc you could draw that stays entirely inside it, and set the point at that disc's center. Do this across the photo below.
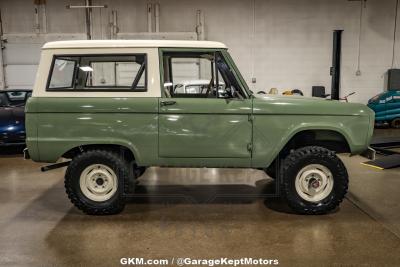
(202, 213)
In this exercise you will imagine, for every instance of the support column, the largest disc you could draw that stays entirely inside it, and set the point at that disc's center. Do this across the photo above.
(2, 76)
(336, 62)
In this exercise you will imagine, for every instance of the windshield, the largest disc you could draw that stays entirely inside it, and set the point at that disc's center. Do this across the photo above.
(14, 98)
(375, 99)
(237, 73)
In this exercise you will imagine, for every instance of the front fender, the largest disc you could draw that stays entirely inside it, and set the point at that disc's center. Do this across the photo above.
(272, 132)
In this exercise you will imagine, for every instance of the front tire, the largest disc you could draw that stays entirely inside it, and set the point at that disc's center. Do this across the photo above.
(95, 182)
(313, 180)
(395, 123)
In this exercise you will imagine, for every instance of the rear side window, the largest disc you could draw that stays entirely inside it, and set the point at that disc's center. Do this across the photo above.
(62, 74)
(98, 73)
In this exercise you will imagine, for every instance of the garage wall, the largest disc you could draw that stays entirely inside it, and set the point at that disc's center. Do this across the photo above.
(282, 43)
(22, 48)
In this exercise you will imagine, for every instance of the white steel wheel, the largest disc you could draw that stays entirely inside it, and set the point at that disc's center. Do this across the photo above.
(314, 182)
(98, 182)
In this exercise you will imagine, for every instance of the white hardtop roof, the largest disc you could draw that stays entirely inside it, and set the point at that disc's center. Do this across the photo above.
(131, 43)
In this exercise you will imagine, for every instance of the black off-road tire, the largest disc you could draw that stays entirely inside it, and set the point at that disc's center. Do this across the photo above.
(302, 157)
(111, 159)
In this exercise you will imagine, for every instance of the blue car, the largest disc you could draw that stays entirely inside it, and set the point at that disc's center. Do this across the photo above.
(387, 108)
(12, 116)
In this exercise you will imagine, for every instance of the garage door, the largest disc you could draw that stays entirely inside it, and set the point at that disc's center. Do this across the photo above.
(21, 57)
(21, 62)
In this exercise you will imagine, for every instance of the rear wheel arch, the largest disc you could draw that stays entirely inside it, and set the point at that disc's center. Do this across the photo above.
(125, 151)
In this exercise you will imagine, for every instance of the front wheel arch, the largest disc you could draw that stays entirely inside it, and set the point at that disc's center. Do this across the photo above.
(329, 139)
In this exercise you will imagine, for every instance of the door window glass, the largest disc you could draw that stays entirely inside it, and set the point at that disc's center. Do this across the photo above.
(201, 75)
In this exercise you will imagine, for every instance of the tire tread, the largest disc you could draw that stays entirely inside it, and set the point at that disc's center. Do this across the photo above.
(116, 206)
(341, 180)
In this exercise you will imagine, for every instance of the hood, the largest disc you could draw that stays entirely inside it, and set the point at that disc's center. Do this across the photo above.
(300, 105)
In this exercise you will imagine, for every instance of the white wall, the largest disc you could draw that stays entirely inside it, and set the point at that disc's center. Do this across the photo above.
(291, 47)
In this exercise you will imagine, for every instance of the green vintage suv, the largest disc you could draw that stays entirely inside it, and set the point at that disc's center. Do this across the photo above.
(114, 108)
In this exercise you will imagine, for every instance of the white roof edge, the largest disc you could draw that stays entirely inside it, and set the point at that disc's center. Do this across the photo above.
(131, 43)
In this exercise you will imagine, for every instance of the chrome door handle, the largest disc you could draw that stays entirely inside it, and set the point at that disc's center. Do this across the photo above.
(167, 103)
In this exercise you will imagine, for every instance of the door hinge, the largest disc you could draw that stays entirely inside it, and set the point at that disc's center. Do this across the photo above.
(251, 117)
(250, 147)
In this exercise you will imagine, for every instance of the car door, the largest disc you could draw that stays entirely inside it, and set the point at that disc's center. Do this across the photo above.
(208, 122)
(392, 105)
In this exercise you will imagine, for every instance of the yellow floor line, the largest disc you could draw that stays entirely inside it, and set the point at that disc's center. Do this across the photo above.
(372, 166)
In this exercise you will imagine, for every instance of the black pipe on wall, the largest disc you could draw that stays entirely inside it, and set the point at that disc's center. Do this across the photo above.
(336, 62)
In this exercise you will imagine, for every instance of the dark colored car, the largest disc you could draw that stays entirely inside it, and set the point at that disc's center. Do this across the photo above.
(12, 116)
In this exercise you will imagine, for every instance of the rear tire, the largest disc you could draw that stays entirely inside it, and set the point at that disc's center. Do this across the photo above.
(395, 123)
(95, 182)
(313, 180)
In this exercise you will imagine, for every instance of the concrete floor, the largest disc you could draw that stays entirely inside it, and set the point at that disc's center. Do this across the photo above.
(202, 213)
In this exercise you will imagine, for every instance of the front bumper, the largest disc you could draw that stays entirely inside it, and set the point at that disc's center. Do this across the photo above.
(12, 138)
(2, 144)
(370, 153)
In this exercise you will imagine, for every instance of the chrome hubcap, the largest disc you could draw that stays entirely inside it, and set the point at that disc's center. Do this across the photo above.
(98, 182)
(314, 182)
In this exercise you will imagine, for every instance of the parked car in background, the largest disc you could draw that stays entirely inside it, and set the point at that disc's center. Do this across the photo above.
(12, 116)
(387, 108)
